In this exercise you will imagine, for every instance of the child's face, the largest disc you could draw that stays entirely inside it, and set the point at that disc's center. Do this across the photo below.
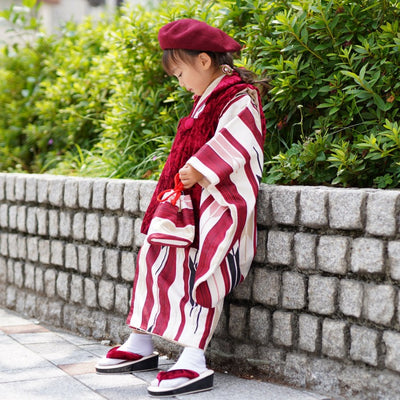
(197, 76)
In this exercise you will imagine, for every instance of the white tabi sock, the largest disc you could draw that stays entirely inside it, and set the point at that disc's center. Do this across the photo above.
(137, 343)
(192, 359)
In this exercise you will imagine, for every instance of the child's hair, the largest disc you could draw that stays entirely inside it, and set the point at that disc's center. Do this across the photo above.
(173, 56)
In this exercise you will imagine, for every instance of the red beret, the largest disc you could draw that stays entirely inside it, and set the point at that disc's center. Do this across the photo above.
(190, 34)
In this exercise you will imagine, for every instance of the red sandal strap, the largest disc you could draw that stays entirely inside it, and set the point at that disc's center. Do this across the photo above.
(123, 355)
(176, 373)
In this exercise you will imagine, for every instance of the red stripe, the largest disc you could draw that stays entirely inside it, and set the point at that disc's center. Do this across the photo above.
(248, 119)
(207, 328)
(164, 282)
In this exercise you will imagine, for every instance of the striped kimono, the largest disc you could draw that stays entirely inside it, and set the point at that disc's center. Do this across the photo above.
(179, 292)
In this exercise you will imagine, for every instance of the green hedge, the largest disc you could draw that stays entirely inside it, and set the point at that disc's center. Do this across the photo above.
(95, 101)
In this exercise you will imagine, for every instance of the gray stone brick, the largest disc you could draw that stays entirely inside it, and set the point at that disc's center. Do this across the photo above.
(99, 193)
(128, 266)
(146, 190)
(4, 244)
(121, 299)
(279, 247)
(76, 289)
(322, 293)
(83, 259)
(112, 262)
(379, 303)
(332, 252)
(125, 231)
(106, 294)
(71, 256)
(364, 343)
(31, 220)
(39, 281)
(13, 245)
(284, 202)
(3, 269)
(63, 285)
(56, 191)
(381, 212)
(32, 245)
(394, 259)
(293, 290)
(237, 321)
(53, 223)
(4, 215)
(42, 221)
(367, 255)
(92, 227)
(31, 189)
(260, 325)
(21, 243)
(346, 208)
(20, 188)
(261, 251)
(266, 286)
(90, 292)
(11, 297)
(57, 252)
(313, 207)
(44, 251)
(392, 343)
(78, 226)
(108, 229)
(30, 276)
(114, 193)
(2, 185)
(10, 271)
(19, 274)
(334, 338)
(264, 212)
(85, 186)
(244, 290)
(282, 328)
(50, 282)
(10, 187)
(138, 236)
(21, 218)
(65, 226)
(71, 192)
(305, 250)
(131, 195)
(12, 217)
(42, 189)
(96, 261)
(309, 333)
(351, 298)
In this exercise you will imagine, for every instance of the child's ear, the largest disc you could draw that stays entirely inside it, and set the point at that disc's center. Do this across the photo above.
(205, 60)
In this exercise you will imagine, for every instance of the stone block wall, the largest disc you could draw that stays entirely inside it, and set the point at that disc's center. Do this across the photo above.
(320, 308)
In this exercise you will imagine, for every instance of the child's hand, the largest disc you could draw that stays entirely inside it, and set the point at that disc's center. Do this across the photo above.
(189, 176)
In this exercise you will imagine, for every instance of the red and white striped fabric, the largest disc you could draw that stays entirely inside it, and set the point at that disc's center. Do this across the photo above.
(182, 289)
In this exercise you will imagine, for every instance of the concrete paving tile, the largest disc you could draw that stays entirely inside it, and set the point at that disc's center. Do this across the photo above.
(17, 356)
(98, 382)
(124, 393)
(25, 328)
(16, 375)
(63, 388)
(96, 349)
(61, 353)
(75, 339)
(39, 337)
(78, 368)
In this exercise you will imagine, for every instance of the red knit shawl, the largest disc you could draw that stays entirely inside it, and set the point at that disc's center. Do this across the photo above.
(192, 134)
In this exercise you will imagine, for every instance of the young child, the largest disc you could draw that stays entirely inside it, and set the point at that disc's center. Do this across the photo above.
(178, 293)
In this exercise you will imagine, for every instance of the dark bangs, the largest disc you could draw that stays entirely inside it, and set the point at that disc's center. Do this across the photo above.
(173, 56)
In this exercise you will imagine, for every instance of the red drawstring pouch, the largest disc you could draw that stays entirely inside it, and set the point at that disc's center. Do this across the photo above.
(173, 221)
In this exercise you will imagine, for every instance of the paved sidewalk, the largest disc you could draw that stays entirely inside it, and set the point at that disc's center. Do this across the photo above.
(37, 362)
